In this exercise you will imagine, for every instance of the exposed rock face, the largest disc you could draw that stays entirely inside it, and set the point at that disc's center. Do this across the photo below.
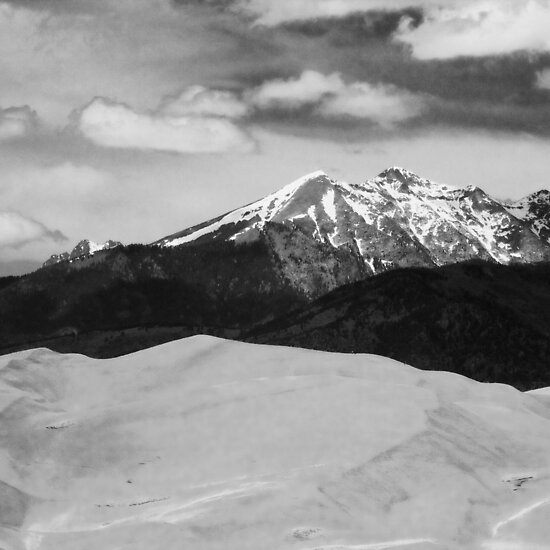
(326, 233)
(535, 210)
(56, 258)
(83, 249)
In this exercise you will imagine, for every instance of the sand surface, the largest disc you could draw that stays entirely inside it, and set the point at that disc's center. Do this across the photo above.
(206, 444)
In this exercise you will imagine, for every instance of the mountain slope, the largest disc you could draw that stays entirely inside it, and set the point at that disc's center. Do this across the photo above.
(535, 210)
(482, 320)
(208, 288)
(218, 445)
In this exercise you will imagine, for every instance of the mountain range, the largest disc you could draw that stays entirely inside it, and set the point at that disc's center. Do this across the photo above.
(325, 233)
(268, 262)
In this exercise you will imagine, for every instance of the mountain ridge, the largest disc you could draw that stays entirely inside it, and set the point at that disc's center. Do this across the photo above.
(83, 249)
(397, 219)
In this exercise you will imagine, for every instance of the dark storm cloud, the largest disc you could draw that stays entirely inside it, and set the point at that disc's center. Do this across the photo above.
(220, 5)
(503, 116)
(204, 3)
(496, 78)
(356, 27)
(500, 92)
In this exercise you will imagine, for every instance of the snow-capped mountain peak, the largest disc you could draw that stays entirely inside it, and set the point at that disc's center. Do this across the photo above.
(84, 249)
(253, 217)
(396, 219)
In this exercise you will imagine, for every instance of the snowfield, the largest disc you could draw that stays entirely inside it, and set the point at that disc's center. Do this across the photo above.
(205, 444)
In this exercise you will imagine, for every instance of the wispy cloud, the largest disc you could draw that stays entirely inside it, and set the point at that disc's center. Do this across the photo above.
(17, 230)
(199, 101)
(310, 88)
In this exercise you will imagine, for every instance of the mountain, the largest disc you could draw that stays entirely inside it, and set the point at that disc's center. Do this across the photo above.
(273, 257)
(325, 233)
(130, 297)
(208, 444)
(398, 219)
(84, 249)
(483, 320)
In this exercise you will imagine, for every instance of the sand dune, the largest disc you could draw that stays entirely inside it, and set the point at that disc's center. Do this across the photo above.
(206, 444)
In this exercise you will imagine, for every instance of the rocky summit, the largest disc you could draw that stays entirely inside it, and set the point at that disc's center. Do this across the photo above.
(84, 249)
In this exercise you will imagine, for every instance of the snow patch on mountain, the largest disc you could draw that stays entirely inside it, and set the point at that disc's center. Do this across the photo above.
(259, 212)
(84, 249)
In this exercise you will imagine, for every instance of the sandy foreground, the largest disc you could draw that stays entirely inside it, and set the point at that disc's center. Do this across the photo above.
(205, 444)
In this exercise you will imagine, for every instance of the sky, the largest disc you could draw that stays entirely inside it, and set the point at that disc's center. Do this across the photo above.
(133, 119)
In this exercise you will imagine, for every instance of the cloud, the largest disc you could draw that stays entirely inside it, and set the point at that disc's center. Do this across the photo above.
(57, 54)
(198, 101)
(17, 230)
(328, 96)
(272, 13)
(307, 89)
(383, 104)
(543, 79)
(435, 29)
(200, 119)
(56, 190)
(113, 124)
(17, 122)
(355, 28)
(485, 28)
(219, 4)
